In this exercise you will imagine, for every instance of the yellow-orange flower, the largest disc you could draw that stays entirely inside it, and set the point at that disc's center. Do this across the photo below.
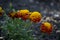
(46, 27)
(12, 14)
(35, 17)
(23, 14)
(1, 11)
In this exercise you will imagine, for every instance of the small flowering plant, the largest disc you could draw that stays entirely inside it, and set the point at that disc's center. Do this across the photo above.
(20, 25)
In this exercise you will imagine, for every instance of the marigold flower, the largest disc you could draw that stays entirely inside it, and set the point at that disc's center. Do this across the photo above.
(35, 17)
(24, 14)
(46, 27)
(1, 11)
(12, 14)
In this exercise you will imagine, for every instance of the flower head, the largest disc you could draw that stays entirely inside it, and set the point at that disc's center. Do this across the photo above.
(12, 14)
(35, 17)
(23, 14)
(46, 27)
(1, 11)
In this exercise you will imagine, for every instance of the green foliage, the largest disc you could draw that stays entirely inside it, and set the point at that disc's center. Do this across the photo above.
(18, 29)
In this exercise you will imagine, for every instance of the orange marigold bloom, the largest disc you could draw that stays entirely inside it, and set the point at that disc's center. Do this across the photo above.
(35, 17)
(23, 14)
(46, 27)
(12, 14)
